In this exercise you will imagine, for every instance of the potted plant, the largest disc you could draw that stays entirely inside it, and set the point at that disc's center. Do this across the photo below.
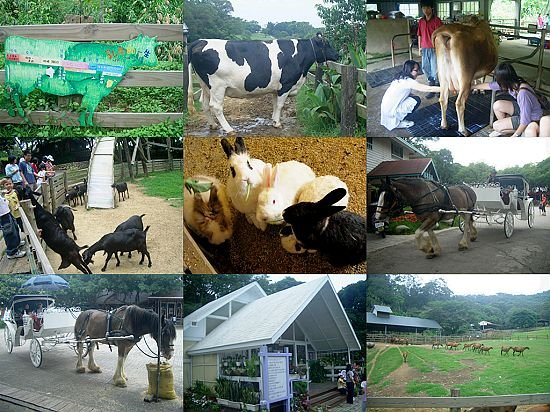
(250, 400)
(252, 366)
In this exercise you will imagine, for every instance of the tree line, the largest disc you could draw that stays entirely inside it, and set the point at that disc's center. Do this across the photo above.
(85, 290)
(344, 23)
(537, 174)
(434, 300)
(200, 290)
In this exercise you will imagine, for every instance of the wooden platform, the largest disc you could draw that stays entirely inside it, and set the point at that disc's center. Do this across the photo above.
(325, 394)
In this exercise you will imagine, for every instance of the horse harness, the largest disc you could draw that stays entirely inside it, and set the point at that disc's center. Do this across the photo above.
(446, 204)
(109, 333)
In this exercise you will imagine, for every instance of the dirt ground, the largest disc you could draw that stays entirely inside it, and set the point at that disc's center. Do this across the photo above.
(251, 116)
(164, 238)
(253, 251)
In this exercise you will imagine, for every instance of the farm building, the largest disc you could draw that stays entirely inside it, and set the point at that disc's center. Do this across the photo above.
(223, 335)
(381, 319)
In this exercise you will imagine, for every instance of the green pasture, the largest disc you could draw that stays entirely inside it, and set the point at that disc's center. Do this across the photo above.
(491, 374)
(166, 185)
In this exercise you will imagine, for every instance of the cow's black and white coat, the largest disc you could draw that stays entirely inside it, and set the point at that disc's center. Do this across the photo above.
(250, 68)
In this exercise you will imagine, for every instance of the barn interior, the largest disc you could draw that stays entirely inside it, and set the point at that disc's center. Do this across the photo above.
(519, 42)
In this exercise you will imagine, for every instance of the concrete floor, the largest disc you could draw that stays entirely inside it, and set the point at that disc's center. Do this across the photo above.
(508, 49)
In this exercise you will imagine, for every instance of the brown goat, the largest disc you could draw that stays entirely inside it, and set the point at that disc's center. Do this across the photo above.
(519, 349)
(505, 349)
(467, 346)
(485, 349)
(476, 346)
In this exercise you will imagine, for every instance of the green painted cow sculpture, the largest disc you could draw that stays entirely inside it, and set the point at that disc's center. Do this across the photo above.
(65, 68)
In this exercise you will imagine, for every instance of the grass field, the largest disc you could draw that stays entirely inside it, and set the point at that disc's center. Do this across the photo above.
(166, 185)
(434, 372)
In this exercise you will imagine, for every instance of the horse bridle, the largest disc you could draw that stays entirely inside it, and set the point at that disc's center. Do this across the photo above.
(397, 203)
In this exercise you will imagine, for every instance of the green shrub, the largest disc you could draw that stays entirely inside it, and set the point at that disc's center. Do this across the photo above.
(316, 371)
(200, 397)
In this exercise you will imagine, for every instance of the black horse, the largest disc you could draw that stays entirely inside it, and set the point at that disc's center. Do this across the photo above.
(124, 321)
(426, 199)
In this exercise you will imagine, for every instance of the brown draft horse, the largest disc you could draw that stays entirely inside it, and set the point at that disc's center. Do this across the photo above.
(426, 198)
(124, 321)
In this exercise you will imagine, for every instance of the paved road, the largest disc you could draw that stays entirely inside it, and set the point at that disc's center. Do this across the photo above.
(57, 379)
(524, 252)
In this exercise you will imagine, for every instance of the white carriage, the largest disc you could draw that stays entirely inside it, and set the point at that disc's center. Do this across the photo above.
(41, 323)
(502, 200)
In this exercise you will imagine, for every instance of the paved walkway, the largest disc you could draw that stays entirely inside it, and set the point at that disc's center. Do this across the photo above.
(57, 385)
(344, 407)
(376, 242)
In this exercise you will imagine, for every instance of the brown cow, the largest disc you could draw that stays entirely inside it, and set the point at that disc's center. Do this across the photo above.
(464, 52)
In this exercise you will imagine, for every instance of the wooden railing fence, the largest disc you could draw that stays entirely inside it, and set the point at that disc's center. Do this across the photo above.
(133, 78)
(455, 402)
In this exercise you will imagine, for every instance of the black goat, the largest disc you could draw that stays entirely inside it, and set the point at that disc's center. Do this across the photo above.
(55, 237)
(65, 217)
(72, 196)
(125, 241)
(82, 190)
(134, 222)
(121, 188)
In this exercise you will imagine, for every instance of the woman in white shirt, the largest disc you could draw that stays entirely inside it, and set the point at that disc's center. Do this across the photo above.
(397, 102)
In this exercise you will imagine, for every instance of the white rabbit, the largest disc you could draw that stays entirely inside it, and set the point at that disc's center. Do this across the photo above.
(208, 214)
(312, 192)
(280, 188)
(245, 180)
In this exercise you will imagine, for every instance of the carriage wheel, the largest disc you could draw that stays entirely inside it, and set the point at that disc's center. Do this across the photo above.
(36, 353)
(531, 215)
(508, 224)
(461, 223)
(8, 340)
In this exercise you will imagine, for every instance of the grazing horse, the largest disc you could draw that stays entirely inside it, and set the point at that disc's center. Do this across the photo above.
(505, 349)
(124, 321)
(426, 198)
(519, 349)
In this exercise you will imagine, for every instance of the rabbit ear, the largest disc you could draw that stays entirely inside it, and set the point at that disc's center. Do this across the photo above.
(267, 175)
(213, 195)
(330, 210)
(227, 148)
(332, 197)
(274, 179)
(240, 147)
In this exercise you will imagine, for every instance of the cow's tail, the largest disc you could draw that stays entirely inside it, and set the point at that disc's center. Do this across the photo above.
(190, 99)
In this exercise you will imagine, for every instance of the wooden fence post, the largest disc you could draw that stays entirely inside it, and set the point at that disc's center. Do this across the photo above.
(318, 76)
(46, 196)
(170, 158)
(128, 158)
(455, 393)
(348, 119)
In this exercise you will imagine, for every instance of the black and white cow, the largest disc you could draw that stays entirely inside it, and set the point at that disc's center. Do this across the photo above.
(250, 68)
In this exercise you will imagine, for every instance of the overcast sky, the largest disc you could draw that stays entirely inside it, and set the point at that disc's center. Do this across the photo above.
(500, 152)
(339, 281)
(493, 284)
(264, 11)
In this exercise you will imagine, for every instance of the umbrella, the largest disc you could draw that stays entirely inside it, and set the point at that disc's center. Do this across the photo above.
(45, 282)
